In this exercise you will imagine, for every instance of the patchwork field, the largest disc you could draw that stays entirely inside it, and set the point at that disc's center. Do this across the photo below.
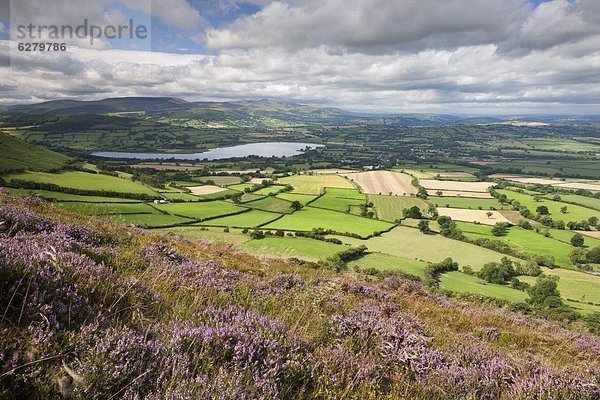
(315, 184)
(85, 181)
(480, 216)
(299, 247)
(205, 189)
(339, 199)
(554, 182)
(250, 219)
(200, 210)
(390, 208)
(271, 204)
(302, 198)
(431, 184)
(454, 193)
(410, 243)
(387, 262)
(383, 182)
(331, 171)
(457, 281)
(465, 202)
(310, 217)
(65, 197)
(574, 212)
(274, 189)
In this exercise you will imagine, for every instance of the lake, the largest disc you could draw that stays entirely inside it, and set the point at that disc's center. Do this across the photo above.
(268, 149)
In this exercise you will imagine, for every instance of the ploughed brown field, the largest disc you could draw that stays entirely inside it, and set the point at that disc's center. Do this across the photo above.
(383, 182)
(454, 193)
(456, 185)
(206, 189)
(481, 216)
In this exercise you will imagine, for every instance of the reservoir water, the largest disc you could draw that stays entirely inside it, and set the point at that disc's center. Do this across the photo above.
(268, 149)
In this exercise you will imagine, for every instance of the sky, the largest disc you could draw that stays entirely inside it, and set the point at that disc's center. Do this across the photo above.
(380, 56)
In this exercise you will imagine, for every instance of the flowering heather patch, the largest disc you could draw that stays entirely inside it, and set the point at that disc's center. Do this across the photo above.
(124, 314)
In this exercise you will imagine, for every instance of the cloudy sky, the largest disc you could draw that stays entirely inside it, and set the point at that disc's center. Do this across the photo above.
(451, 56)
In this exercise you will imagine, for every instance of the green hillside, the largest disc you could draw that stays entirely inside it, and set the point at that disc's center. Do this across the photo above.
(18, 154)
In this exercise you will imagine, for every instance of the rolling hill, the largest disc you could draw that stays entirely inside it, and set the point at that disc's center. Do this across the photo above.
(18, 154)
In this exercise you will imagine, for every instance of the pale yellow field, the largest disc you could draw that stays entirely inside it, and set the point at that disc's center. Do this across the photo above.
(459, 214)
(456, 185)
(594, 234)
(383, 182)
(539, 181)
(580, 185)
(206, 189)
(169, 166)
(314, 184)
(331, 171)
(259, 180)
(453, 193)
(453, 174)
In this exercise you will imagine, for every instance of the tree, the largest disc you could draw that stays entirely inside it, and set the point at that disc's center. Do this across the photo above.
(497, 272)
(593, 255)
(439, 193)
(578, 256)
(489, 214)
(577, 240)
(499, 229)
(424, 226)
(296, 205)
(413, 212)
(593, 221)
(563, 209)
(545, 293)
(525, 224)
(542, 210)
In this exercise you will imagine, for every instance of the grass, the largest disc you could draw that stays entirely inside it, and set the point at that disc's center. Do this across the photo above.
(85, 181)
(465, 202)
(180, 196)
(302, 198)
(457, 281)
(18, 154)
(410, 243)
(47, 194)
(339, 199)
(314, 184)
(271, 204)
(309, 218)
(269, 189)
(195, 233)
(250, 219)
(241, 186)
(589, 202)
(201, 210)
(387, 262)
(219, 180)
(287, 247)
(574, 212)
(219, 195)
(574, 285)
(389, 208)
(108, 208)
(148, 220)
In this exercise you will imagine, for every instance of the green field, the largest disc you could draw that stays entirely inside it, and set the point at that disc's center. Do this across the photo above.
(272, 204)
(299, 247)
(457, 281)
(108, 208)
(389, 208)
(557, 144)
(200, 210)
(574, 212)
(465, 202)
(387, 262)
(195, 233)
(269, 189)
(339, 199)
(526, 241)
(241, 186)
(18, 154)
(180, 196)
(218, 180)
(410, 243)
(309, 218)
(250, 219)
(85, 181)
(314, 184)
(302, 198)
(148, 220)
(64, 197)
(220, 195)
(589, 202)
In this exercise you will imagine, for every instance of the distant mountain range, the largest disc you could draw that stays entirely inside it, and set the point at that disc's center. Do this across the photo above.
(257, 112)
